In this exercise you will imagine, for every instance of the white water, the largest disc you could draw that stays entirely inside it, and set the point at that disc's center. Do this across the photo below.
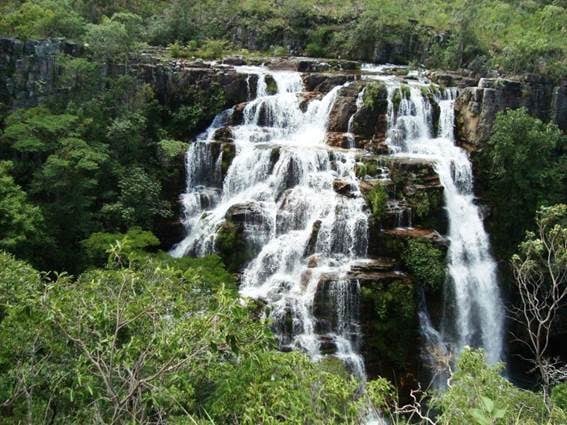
(284, 173)
(472, 270)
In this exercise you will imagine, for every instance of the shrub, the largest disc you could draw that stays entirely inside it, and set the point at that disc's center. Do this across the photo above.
(377, 198)
(426, 263)
(523, 167)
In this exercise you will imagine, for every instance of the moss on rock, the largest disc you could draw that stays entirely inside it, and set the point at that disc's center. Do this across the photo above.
(377, 198)
(375, 97)
(231, 246)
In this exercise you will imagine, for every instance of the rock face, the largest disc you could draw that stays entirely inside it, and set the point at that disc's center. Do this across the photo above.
(476, 107)
(28, 70)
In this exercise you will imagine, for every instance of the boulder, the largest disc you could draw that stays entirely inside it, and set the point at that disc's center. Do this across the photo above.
(305, 98)
(345, 188)
(343, 109)
(324, 83)
(248, 212)
(224, 135)
(338, 140)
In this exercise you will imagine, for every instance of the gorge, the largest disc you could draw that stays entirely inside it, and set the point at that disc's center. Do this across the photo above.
(265, 238)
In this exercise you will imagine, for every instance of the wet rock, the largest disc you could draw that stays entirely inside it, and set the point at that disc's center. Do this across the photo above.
(313, 261)
(327, 345)
(312, 243)
(559, 106)
(237, 117)
(305, 98)
(370, 121)
(234, 60)
(452, 79)
(224, 135)
(343, 109)
(225, 148)
(418, 233)
(248, 212)
(303, 64)
(338, 140)
(324, 83)
(344, 188)
(374, 265)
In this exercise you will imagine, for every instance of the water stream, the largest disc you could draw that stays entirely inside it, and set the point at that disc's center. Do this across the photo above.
(282, 178)
(473, 291)
(279, 192)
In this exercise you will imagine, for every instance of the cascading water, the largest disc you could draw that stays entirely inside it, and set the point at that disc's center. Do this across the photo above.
(472, 270)
(282, 176)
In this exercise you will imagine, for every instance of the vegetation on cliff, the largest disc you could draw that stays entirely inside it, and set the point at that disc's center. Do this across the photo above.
(99, 326)
(480, 35)
(523, 166)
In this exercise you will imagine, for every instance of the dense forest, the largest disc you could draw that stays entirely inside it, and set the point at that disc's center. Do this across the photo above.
(100, 324)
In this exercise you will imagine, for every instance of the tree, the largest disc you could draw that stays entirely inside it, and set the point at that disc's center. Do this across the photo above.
(115, 38)
(540, 272)
(66, 186)
(42, 19)
(524, 166)
(21, 222)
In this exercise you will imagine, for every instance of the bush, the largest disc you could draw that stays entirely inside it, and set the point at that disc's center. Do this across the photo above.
(426, 263)
(480, 395)
(377, 198)
(523, 167)
(42, 19)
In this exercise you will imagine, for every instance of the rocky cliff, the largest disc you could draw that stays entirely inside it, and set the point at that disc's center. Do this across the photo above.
(29, 70)
(477, 106)
(405, 196)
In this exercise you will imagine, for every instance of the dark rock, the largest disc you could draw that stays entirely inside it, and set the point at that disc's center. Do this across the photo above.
(224, 134)
(374, 265)
(476, 107)
(312, 243)
(234, 60)
(327, 345)
(344, 188)
(248, 212)
(324, 83)
(559, 106)
(338, 140)
(343, 109)
(306, 98)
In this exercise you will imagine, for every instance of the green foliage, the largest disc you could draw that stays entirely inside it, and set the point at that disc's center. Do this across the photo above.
(377, 198)
(392, 326)
(115, 38)
(42, 19)
(21, 222)
(35, 130)
(99, 245)
(559, 396)
(231, 246)
(425, 262)
(169, 328)
(375, 97)
(280, 387)
(480, 395)
(528, 36)
(139, 201)
(170, 150)
(524, 166)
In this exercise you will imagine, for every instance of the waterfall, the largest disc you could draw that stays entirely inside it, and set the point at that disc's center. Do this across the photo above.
(302, 231)
(471, 267)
